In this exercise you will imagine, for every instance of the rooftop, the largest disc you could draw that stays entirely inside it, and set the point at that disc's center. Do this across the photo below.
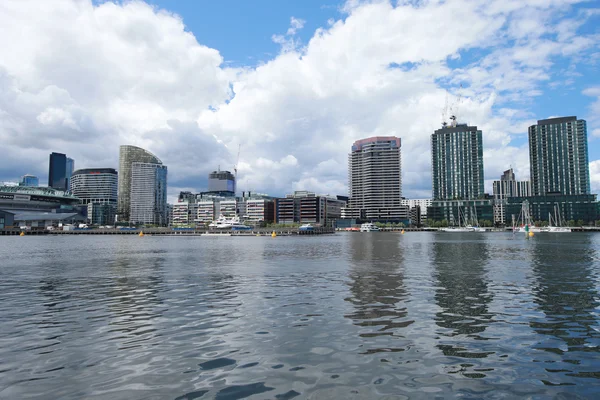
(40, 191)
(42, 216)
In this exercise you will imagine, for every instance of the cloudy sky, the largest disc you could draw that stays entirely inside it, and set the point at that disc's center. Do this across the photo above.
(291, 84)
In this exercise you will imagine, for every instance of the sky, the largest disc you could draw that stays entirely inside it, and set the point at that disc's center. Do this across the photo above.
(289, 85)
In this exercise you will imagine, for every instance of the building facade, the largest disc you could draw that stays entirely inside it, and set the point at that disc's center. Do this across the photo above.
(461, 212)
(148, 201)
(375, 179)
(221, 181)
(457, 163)
(184, 214)
(422, 204)
(29, 181)
(38, 199)
(97, 189)
(507, 187)
(558, 157)
(575, 208)
(57, 172)
(127, 156)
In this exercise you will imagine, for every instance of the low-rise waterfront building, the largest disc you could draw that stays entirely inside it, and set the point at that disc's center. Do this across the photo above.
(579, 209)
(184, 214)
(22, 198)
(7, 219)
(461, 212)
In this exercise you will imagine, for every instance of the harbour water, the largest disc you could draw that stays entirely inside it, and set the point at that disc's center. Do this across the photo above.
(348, 316)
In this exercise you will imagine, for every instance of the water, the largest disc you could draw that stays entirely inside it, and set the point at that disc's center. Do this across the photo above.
(350, 316)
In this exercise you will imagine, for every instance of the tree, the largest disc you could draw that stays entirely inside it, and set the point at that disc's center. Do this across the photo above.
(444, 223)
(579, 222)
(571, 222)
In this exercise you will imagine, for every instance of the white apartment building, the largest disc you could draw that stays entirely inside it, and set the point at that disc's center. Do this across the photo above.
(375, 180)
(205, 211)
(423, 203)
(184, 214)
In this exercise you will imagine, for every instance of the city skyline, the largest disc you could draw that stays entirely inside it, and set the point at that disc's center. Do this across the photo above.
(295, 110)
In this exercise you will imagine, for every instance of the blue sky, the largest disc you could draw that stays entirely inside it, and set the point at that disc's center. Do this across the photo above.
(83, 76)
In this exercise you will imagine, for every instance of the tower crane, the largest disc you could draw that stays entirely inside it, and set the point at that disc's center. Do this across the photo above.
(454, 108)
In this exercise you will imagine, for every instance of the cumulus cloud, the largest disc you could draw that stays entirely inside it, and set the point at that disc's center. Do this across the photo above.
(83, 78)
(595, 176)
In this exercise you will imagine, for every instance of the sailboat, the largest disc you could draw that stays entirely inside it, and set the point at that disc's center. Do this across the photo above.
(458, 228)
(558, 228)
(476, 227)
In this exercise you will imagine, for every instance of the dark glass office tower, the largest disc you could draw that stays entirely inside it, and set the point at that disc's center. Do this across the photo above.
(57, 174)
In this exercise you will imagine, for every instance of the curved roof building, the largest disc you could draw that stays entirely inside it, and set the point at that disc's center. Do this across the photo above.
(127, 156)
(34, 198)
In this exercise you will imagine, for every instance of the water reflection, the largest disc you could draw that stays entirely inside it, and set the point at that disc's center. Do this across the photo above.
(566, 293)
(462, 293)
(377, 287)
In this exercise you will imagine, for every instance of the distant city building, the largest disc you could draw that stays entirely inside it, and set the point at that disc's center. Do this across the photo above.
(184, 214)
(127, 156)
(260, 210)
(221, 181)
(457, 163)
(507, 187)
(303, 207)
(375, 180)
(29, 180)
(57, 172)
(70, 168)
(97, 189)
(148, 200)
(206, 212)
(558, 157)
(421, 203)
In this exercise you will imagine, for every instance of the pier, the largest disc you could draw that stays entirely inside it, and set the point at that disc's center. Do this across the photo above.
(172, 232)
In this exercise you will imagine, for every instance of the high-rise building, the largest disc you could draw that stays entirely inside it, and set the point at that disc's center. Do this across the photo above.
(148, 196)
(221, 182)
(69, 169)
(375, 180)
(29, 181)
(457, 163)
(96, 188)
(507, 187)
(558, 157)
(57, 171)
(127, 156)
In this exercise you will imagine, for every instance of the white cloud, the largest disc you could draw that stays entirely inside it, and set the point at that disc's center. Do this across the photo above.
(595, 176)
(83, 79)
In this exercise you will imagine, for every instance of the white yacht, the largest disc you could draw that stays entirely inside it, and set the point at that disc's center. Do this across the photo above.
(228, 223)
(369, 227)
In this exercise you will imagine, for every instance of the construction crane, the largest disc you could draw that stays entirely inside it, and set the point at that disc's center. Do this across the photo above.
(445, 112)
(237, 161)
(454, 108)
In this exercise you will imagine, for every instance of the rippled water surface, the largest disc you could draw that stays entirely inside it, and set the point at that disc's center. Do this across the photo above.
(349, 316)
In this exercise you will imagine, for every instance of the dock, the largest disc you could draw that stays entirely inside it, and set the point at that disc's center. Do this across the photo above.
(172, 232)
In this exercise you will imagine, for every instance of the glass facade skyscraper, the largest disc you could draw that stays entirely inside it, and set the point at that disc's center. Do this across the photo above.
(57, 171)
(29, 181)
(558, 157)
(148, 194)
(97, 188)
(457, 163)
(127, 156)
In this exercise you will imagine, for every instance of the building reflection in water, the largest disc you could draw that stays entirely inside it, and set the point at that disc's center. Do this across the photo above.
(566, 291)
(462, 293)
(376, 287)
